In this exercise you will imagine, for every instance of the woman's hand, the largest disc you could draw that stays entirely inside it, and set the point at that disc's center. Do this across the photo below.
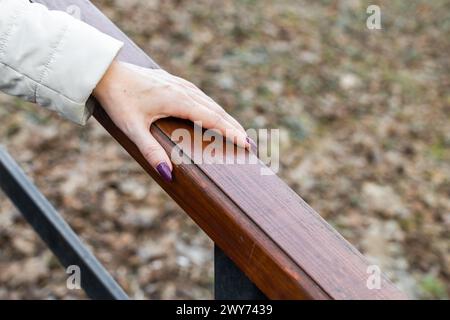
(134, 97)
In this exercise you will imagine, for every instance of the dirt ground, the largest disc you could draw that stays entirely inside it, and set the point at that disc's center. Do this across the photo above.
(365, 141)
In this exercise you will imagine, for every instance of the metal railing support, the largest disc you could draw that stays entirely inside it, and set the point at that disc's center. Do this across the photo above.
(230, 283)
(55, 232)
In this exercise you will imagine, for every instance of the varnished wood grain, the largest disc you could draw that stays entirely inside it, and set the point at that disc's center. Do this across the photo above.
(278, 240)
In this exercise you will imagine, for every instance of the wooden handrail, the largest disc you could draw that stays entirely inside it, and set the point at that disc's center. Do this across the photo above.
(278, 240)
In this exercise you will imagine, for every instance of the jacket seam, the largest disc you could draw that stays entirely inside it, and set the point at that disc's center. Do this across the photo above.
(55, 50)
(8, 33)
(47, 87)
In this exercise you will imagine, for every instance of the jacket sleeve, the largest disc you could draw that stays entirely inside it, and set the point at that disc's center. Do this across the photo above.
(51, 58)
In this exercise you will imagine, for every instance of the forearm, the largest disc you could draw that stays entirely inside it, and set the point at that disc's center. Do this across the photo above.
(50, 58)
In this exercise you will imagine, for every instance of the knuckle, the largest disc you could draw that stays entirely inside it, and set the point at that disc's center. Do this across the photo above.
(186, 83)
(128, 127)
(217, 119)
(222, 112)
(170, 95)
(191, 85)
(151, 152)
(166, 87)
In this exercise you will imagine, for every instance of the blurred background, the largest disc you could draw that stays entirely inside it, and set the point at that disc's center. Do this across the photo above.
(365, 141)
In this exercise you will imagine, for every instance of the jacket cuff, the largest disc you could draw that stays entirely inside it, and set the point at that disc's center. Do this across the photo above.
(79, 61)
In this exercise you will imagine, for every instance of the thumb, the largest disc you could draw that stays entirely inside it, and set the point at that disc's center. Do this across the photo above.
(153, 153)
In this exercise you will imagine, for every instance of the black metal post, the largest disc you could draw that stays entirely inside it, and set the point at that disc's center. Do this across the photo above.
(55, 232)
(230, 283)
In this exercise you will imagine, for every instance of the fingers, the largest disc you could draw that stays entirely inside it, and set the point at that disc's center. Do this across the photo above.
(153, 152)
(203, 98)
(206, 101)
(188, 108)
(200, 97)
(194, 93)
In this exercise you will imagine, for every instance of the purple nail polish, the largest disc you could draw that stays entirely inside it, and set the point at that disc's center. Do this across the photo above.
(164, 171)
(253, 144)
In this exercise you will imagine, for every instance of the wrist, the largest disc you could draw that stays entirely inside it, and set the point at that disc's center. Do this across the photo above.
(103, 87)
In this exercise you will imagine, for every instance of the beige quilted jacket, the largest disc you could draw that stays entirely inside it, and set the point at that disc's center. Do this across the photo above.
(51, 58)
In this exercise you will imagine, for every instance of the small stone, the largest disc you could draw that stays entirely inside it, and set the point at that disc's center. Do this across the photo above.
(349, 81)
(226, 82)
(142, 217)
(133, 188)
(382, 199)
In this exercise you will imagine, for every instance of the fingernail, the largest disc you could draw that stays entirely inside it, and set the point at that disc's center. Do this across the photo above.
(164, 171)
(252, 144)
